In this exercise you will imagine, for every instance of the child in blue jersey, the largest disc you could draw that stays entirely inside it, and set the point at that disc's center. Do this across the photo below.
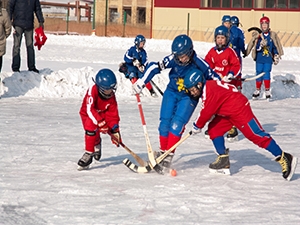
(267, 50)
(237, 42)
(177, 104)
(135, 62)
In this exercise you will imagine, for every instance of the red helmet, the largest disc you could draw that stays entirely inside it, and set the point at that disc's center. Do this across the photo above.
(264, 20)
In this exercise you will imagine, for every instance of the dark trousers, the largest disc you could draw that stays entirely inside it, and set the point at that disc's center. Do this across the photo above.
(16, 62)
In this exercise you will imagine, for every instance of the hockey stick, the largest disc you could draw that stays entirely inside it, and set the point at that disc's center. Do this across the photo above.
(249, 78)
(149, 147)
(258, 30)
(148, 168)
(135, 156)
(157, 88)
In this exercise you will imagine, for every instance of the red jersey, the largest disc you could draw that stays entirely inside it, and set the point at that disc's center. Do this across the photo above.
(220, 98)
(224, 61)
(96, 109)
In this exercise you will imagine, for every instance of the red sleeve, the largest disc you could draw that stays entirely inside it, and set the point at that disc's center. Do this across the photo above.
(112, 114)
(209, 105)
(208, 58)
(235, 66)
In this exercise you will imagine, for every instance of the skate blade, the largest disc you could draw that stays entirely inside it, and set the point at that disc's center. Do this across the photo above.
(80, 168)
(236, 138)
(220, 171)
(293, 168)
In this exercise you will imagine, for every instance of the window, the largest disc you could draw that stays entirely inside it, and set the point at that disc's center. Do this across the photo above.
(294, 4)
(225, 3)
(113, 15)
(127, 11)
(249, 4)
(141, 15)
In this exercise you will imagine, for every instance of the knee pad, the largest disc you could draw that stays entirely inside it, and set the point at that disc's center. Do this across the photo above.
(90, 133)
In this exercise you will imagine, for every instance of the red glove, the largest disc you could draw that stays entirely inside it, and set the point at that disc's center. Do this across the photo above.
(103, 128)
(39, 37)
(116, 136)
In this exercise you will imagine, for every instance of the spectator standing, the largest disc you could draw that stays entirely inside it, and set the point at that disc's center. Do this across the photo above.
(22, 16)
(5, 30)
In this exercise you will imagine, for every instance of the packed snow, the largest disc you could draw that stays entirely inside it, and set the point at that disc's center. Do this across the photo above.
(42, 139)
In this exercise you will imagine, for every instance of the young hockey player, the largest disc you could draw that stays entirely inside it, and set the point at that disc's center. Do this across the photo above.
(135, 62)
(237, 43)
(226, 21)
(224, 61)
(267, 50)
(99, 114)
(177, 105)
(231, 108)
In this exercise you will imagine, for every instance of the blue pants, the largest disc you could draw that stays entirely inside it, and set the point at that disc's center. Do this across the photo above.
(264, 67)
(176, 110)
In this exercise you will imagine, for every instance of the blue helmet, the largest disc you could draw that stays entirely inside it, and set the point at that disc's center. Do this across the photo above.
(138, 39)
(182, 45)
(192, 78)
(106, 80)
(235, 21)
(222, 30)
(225, 18)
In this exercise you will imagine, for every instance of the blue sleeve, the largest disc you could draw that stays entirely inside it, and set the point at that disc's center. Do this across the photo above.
(208, 73)
(129, 55)
(144, 58)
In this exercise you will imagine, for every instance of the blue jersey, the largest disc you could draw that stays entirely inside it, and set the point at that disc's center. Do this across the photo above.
(135, 53)
(237, 40)
(178, 72)
(265, 54)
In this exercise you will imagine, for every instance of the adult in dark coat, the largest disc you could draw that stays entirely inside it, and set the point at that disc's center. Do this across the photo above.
(22, 16)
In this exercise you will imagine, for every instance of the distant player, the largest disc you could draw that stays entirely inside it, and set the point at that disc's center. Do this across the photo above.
(267, 50)
(136, 61)
(231, 108)
(224, 61)
(99, 114)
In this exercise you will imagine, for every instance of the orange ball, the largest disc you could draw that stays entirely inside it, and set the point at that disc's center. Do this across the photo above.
(173, 172)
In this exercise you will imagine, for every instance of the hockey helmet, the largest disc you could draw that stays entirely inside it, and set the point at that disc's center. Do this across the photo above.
(182, 45)
(192, 78)
(106, 80)
(138, 39)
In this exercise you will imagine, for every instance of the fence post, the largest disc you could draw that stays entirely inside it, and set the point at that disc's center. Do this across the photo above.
(188, 24)
(124, 22)
(68, 14)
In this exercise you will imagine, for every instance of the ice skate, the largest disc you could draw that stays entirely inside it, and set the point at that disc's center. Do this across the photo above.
(97, 154)
(166, 163)
(221, 165)
(256, 94)
(268, 94)
(232, 135)
(206, 135)
(288, 164)
(85, 161)
(153, 93)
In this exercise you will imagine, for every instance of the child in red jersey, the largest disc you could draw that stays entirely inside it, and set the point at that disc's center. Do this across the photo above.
(225, 62)
(231, 108)
(99, 114)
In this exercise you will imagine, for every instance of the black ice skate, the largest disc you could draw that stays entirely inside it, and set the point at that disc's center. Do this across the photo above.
(288, 164)
(97, 154)
(232, 135)
(256, 94)
(85, 161)
(268, 94)
(166, 163)
(153, 93)
(206, 135)
(221, 165)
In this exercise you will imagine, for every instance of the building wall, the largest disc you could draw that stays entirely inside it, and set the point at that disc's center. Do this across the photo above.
(169, 22)
(119, 5)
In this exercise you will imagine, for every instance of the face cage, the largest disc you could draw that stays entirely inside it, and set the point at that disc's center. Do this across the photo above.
(189, 54)
(106, 96)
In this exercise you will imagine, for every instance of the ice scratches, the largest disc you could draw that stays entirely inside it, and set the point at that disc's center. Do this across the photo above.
(16, 214)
